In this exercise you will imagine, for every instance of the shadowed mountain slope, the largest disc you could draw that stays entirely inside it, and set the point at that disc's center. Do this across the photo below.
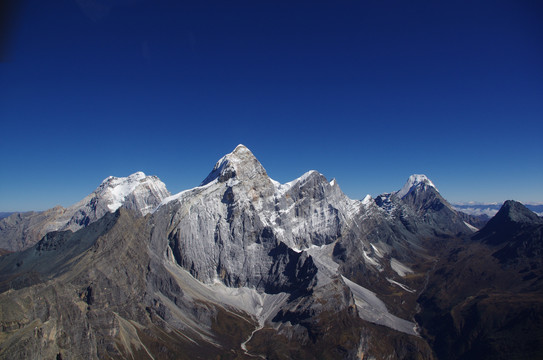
(242, 267)
(485, 298)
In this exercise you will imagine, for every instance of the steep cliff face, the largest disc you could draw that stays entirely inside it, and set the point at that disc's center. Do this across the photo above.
(241, 266)
(395, 239)
(22, 230)
(138, 192)
(230, 227)
(100, 293)
(245, 230)
(423, 204)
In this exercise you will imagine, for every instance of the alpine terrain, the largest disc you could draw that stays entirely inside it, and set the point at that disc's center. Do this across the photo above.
(244, 267)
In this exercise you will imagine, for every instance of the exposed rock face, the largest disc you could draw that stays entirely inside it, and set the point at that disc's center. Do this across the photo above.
(137, 191)
(430, 208)
(231, 227)
(239, 267)
(22, 230)
(512, 219)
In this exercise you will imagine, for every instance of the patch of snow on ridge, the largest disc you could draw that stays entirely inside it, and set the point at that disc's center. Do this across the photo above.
(367, 200)
(180, 195)
(323, 258)
(115, 191)
(371, 260)
(471, 227)
(399, 268)
(377, 251)
(281, 189)
(372, 309)
(405, 287)
(414, 180)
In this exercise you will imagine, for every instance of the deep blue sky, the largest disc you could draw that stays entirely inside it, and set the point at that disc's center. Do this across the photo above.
(367, 92)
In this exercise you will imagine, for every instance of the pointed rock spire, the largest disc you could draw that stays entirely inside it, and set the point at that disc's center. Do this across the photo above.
(240, 163)
(513, 221)
(516, 212)
(415, 181)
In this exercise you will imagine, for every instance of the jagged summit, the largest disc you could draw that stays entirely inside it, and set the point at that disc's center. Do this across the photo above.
(115, 189)
(415, 181)
(512, 217)
(137, 187)
(138, 192)
(113, 180)
(514, 211)
(273, 262)
(240, 163)
(367, 199)
(510, 220)
(518, 232)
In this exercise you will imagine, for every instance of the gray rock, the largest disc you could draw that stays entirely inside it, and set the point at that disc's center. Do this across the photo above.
(137, 191)
(229, 267)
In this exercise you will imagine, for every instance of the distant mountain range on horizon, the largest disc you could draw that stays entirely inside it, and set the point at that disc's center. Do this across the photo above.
(491, 209)
(244, 267)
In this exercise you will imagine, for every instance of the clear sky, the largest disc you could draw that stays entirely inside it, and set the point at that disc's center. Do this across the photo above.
(367, 92)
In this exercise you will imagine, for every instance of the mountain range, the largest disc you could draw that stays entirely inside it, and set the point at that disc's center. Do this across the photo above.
(243, 267)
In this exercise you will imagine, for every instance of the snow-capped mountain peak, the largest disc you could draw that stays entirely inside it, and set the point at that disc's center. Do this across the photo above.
(367, 199)
(136, 175)
(240, 163)
(138, 192)
(414, 181)
(114, 191)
